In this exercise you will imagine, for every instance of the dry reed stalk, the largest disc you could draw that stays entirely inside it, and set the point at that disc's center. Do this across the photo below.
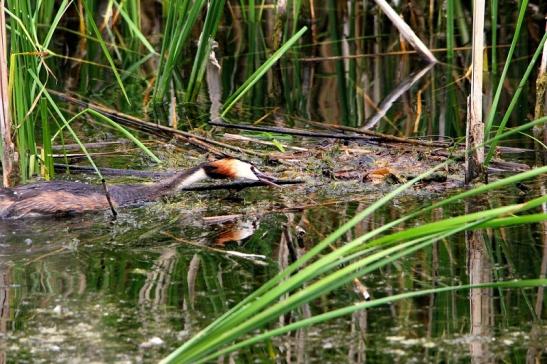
(9, 155)
(406, 31)
(474, 157)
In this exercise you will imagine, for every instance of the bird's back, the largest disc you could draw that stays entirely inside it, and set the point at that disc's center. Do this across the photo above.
(51, 198)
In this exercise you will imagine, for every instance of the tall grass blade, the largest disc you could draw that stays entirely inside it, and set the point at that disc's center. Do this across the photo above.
(515, 98)
(493, 108)
(65, 122)
(175, 39)
(330, 315)
(206, 39)
(91, 21)
(494, 8)
(250, 316)
(238, 94)
(135, 29)
(339, 64)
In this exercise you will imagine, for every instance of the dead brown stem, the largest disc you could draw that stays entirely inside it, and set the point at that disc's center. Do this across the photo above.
(9, 155)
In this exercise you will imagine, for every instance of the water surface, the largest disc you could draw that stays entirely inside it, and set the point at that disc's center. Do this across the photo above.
(90, 289)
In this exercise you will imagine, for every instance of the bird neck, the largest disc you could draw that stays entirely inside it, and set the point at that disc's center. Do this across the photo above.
(184, 179)
(130, 194)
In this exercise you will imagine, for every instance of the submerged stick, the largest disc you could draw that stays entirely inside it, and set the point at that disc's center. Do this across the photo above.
(255, 258)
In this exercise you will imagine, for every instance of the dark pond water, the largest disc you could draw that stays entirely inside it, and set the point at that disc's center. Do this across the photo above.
(87, 289)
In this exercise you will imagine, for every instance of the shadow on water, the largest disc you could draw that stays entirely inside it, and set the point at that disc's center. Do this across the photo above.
(87, 288)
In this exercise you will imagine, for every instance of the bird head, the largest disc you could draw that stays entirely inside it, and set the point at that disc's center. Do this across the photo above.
(234, 168)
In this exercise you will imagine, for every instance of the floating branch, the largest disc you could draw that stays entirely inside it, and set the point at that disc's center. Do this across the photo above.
(240, 185)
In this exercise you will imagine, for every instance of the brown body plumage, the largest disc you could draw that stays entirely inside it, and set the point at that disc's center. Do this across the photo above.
(66, 198)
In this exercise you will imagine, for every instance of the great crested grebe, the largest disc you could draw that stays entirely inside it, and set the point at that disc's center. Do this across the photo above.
(66, 198)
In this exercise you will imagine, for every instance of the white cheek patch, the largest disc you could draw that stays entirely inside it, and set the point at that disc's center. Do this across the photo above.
(249, 174)
(243, 170)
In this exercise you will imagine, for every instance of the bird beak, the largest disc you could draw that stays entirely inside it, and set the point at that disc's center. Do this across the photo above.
(264, 178)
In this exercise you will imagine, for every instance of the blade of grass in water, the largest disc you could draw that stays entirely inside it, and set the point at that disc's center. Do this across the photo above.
(339, 232)
(135, 29)
(493, 108)
(65, 123)
(115, 125)
(89, 15)
(339, 64)
(174, 41)
(236, 96)
(46, 141)
(450, 39)
(256, 49)
(369, 304)
(167, 35)
(514, 99)
(453, 110)
(352, 81)
(206, 39)
(494, 6)
(250, 317)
